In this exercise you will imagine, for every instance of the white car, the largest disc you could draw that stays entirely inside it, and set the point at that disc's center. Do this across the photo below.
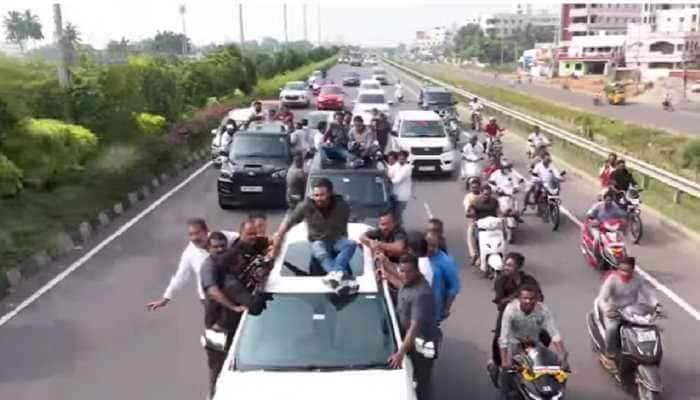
(423, 135)
(369, 84)
(313, 77)
(379, 75)
(295, 93)
(310, 344)
(370, 99)
(695, 87)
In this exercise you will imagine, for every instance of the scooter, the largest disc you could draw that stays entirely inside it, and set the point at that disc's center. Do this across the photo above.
(632, 203)
(476, 121)
(611, 248)
(639, 359)
(398, 95)
(492, 246)
(508, 205)
(537, 374)
(470, 168)
(535, 152)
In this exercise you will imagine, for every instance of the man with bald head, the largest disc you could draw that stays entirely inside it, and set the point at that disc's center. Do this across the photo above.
(445, 278)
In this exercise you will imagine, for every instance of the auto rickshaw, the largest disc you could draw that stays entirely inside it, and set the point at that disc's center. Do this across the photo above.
(616, 93)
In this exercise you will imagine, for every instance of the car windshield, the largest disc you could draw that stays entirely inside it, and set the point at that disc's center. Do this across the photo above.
(360, 189)
(263, 145)
(379, 71)
(316, 331)
(371, 86)
(371, 99)
(294, 86)
(438, 97)
(331, 90)
(422, 129)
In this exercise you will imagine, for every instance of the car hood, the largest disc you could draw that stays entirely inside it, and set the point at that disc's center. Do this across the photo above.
(423, 141)
(331, 97)
(293, 92)
(263, 164)
(343, 385)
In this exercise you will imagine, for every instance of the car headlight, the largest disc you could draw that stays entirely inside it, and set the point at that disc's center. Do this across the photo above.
(280, 174)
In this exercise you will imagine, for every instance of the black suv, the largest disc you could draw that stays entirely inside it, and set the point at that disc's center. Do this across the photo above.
(367, 191)
(436, 98)
(256, 169)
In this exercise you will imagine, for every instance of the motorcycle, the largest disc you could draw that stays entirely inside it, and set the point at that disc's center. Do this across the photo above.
(548, 202)
(535, 152)
(596, 100)
(470, 168)
(639, 359)
(494, 148)
(398, 95)
(492, 245)
(632, 204)
(610, 250)
(476, 120)
(508, 205)
(537, 374)
(453, 129)
(667, 105)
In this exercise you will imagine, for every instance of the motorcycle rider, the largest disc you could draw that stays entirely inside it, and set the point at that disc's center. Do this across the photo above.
(545, 173)
(468, 203)
(620, 289)
(485, 206)
(667, 101)
(523, 320)
(621, 179)
(605, 171)
(600, 212)
(475, 110)
(538, 142)
(398, 92)
(493, 131)
(473, 148)
(506, 176)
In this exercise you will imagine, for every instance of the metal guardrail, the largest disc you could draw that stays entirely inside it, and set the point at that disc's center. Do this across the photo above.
(680, 184)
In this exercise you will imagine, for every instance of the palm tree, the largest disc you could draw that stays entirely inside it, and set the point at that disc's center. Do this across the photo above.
(71, 41)
(32, 26)
(15, 28)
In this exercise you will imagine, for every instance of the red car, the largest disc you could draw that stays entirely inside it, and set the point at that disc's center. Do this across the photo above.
(330, 98)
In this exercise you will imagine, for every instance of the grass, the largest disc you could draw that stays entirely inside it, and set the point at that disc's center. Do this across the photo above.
(658, 147)
(30, 221)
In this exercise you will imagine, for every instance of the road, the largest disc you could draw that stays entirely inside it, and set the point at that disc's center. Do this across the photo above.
(686, 121)
(90, 336)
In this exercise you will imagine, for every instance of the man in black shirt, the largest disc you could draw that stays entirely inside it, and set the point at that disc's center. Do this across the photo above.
(388, 238)
(621, 179)
(506, 288)
(485, 206)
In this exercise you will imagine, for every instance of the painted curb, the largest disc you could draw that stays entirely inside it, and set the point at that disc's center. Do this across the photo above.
(14, 276)
(85, 230)
(62, 244)
(103, 218)
(133, 198)
(118, 208)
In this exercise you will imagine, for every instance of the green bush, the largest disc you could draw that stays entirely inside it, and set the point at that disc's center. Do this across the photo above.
(271, 87)
(45, 149)
(149, 124)
(10, 177)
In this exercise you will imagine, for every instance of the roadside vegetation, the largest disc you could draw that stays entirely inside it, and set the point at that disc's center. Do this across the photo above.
(66, 154)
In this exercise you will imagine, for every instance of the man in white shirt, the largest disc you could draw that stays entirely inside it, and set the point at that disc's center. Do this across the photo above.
(475, 111)
(504, 178)
(400, 175)
(537, 142)
(473, 148)
(544, 173)
(190, 261)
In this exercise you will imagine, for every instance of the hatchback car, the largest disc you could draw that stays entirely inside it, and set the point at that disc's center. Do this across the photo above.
(311, 344)
(351, 79)
(330, 97)
(256, 169)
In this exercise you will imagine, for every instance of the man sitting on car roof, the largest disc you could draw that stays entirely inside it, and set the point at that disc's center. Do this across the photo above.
(326, 215)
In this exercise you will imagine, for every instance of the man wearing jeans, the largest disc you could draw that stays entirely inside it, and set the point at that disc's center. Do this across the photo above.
(335, 142)
(326, 215)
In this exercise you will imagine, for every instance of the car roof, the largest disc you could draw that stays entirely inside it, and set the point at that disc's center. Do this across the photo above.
(278, 282)
(435, 89)
(372, 91)
(418, 115)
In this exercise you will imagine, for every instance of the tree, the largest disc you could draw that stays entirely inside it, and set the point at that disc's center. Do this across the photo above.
(71, 41)
(691, 156)
(117, 51)
(168, 42)
(20, 27)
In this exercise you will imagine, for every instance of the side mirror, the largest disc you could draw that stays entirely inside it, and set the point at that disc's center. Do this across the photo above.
(214, 132)
(394, 133)
(390, 102)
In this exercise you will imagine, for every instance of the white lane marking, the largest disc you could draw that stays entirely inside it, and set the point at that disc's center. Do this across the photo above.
(85, 258)
(650, 278)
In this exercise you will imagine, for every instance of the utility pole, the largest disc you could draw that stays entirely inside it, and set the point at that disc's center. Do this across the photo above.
(286, 39)
(182, 11)
(501, 40)
(318, 23)
(306, 31)
(63, 72)
(240, 25)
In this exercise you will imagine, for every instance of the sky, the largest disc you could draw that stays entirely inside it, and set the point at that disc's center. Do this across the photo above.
(365, 22)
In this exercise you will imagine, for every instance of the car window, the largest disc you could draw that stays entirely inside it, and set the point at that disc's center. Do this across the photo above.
(331, 90)
(367, 98)
(263, 145)
(316, 331)
(422, 129)
(294, 86)
(360, 189)
(438, 97)
(371, 86)
(297, 260)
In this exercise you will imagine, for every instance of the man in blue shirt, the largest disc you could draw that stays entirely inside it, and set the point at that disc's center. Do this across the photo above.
(445, 277)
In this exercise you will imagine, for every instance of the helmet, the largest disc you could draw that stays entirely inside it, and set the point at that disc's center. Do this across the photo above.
(492, 119)
(506, 164)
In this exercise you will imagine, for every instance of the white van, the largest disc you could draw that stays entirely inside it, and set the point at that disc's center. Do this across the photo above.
(423, 135)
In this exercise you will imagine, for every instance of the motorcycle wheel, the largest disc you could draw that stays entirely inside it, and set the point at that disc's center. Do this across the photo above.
(636, 228)
(554, 216)
(643, 393)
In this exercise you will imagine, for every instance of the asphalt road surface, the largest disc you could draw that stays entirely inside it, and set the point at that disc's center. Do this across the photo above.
(90, 337)
(684, 119)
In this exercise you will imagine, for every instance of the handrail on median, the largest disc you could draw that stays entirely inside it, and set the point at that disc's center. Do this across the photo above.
(681, 184)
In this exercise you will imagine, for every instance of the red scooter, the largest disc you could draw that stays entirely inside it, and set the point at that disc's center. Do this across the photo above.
(610, 250)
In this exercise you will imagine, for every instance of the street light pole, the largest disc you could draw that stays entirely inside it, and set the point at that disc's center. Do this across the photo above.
(286, 39)
(240, 24)
(306, 31)
(184, 31)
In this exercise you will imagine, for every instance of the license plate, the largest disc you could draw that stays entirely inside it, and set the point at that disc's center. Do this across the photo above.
(251, 189)
(646, 336)
(427, 168)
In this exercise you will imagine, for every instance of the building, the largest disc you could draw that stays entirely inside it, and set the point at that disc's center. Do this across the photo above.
(592, 19)
(433, 40)
(672, 17)
(508, 24)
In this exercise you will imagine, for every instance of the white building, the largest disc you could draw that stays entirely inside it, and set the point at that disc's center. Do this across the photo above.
(432, 40)
(593, 19)
(672, 17)
(508, 24)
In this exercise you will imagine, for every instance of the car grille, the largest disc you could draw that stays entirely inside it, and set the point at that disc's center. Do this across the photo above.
(291, 97)
(426, 151)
